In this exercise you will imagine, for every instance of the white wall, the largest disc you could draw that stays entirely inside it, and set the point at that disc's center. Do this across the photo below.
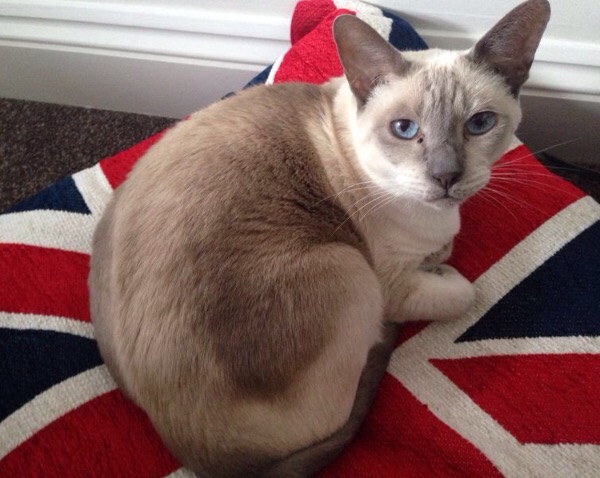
(172, 57)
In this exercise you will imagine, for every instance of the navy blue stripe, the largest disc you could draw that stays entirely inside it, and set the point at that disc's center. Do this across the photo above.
(403, 36)
(61, 196)
(32, 361)
(261, 78)
(561, 298)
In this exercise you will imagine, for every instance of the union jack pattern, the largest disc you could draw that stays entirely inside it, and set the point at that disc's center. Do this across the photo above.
(512, 389)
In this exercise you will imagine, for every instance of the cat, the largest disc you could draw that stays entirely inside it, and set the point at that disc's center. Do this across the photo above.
(248, 277)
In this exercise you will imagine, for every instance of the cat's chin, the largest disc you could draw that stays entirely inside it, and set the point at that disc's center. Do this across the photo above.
(444, 202)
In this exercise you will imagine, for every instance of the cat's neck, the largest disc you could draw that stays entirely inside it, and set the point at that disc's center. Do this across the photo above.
(405, 227)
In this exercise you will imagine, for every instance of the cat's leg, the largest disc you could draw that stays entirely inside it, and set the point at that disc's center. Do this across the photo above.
(440, 294)
(432, 261)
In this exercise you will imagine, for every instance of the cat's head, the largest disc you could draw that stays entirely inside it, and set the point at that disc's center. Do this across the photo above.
(428, 125)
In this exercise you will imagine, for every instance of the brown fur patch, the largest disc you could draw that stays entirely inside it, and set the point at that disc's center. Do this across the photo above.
(263, 235)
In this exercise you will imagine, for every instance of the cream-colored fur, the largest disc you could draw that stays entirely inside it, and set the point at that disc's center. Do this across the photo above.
(244, 274)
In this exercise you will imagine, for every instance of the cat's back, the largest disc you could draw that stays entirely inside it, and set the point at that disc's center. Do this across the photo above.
(242, 180)
(255, 151)
(224, 270)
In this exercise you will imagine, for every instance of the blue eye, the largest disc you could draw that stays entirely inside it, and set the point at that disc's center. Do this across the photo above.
(404, 128)
(481, 123)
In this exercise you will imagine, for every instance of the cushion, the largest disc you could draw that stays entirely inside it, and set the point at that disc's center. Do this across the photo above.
(511, 389)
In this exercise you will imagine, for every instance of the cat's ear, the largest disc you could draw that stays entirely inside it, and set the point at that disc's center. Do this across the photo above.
(509, 47)
(366, 57)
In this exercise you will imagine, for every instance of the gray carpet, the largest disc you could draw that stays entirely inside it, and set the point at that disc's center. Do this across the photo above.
(40, 143)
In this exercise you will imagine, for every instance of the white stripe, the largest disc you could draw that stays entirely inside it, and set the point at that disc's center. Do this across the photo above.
(515, 266)
(410, 362)
(181, 473)
(47, 228)
(61, 229)
(526, 346)
(447, 402)
(94, 188)
(51, 405)
(54, 323)
(373, 16)
(274, 69)
(583, 461)
(533, 251)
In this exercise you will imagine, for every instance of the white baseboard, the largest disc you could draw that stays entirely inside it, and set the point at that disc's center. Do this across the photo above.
(172, 59)
(155, 85)
(152, 59)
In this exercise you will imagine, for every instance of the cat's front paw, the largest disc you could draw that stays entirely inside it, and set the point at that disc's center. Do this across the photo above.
(459, 294)
(440, 294)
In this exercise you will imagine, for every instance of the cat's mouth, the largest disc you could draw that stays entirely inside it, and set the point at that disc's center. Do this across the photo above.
(444, 199)
(447, 197)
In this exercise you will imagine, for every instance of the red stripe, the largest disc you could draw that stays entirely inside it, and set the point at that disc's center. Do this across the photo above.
(307, 16)
(547, 399)
(38, 280)
(302, 64)
(106, 437)
(117, 167)
(402, 438)
(409, 330)
(511, 208)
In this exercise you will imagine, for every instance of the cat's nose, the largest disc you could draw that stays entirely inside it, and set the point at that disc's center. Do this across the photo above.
(444, 165)
(447, 179)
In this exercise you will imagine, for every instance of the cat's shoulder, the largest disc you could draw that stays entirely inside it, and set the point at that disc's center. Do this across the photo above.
(294, 98)
(287, 90)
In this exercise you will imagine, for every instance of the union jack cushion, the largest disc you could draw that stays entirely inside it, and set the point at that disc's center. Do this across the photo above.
(512, 389)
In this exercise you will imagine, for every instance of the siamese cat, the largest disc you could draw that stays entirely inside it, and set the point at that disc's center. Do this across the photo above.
(247, 278)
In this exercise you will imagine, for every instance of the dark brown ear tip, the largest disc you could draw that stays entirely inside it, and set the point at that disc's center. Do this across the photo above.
(543, 7)
(545, 4)
(343, 21)
(543, 12)
(547, 10)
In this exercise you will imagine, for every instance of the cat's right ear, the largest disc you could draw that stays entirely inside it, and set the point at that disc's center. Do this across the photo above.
(509, 47)
(366, 57)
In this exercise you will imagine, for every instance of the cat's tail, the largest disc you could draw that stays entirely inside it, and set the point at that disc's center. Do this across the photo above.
(308, 461)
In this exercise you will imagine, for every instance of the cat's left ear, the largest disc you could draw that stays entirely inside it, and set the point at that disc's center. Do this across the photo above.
(509, 47)
(366, 57)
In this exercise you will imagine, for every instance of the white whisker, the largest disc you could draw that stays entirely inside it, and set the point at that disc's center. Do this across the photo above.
(487, 194)
(556, 145)
(541, 186)
(541, 151)
(505, 194)
(352, 187)
(382, 204)
(384, 194)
